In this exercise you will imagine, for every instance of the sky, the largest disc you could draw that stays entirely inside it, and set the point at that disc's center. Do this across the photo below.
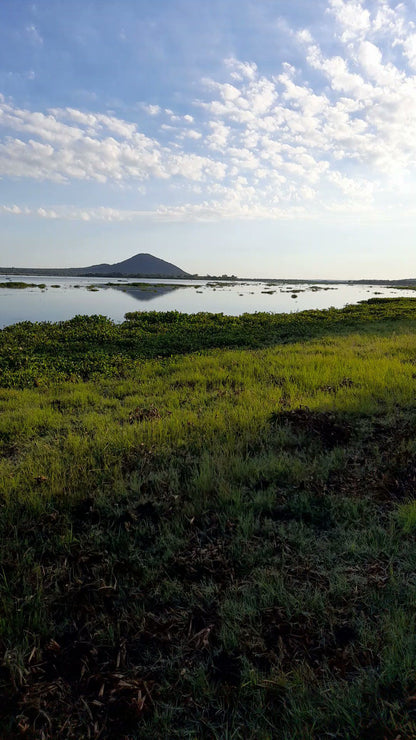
(262, 138)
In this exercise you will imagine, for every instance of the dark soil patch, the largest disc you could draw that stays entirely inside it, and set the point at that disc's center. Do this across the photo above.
(226, 668)
(111, 704)
(317, 514)
(344, 383)
(139, 414)
(206, 552)
(291, 641)
(322, 426)
(196, 562)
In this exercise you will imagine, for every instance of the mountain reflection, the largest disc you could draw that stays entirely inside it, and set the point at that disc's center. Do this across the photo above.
(147, 294)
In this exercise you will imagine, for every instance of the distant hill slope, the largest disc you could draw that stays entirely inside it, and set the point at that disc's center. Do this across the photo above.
(140, 264)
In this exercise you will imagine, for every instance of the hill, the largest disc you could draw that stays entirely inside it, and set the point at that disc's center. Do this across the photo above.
(140, 264)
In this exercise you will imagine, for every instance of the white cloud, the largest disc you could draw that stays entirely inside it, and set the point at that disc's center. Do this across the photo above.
(353, 188)
(370, 58)
(15, 210)
(224, 209)
(228, 92)
(241, 70)
(152, 110)
(352, 16)
(409, 46)
(59, 151)
(219, 136)
(341, 124)
(192, 134)
(33, 34)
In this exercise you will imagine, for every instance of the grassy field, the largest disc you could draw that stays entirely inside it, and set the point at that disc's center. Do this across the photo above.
(208, 526)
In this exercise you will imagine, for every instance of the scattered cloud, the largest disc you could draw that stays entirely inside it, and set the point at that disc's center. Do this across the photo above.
(152, 110)
(192, 134)
(223, 209)
(34, 36)
(67, 144)
(335, 132)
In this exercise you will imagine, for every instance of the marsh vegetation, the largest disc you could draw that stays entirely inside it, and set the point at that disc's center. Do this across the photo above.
(208, 525)
(19, 285)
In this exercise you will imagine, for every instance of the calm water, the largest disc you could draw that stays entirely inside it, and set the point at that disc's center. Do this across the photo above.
(191, 296)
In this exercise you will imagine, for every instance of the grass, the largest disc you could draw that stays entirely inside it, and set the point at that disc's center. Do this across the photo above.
(86, 347)
(209, 544)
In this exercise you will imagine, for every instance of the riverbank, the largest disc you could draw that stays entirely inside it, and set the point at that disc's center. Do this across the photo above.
(207, 527)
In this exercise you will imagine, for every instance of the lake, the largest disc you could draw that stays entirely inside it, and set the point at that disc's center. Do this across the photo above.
(75, 296)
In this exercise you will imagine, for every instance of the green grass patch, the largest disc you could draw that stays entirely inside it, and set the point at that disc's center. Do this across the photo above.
(209, 544)
(407, 516)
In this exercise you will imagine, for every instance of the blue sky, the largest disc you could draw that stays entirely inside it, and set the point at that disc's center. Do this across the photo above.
(256, 137)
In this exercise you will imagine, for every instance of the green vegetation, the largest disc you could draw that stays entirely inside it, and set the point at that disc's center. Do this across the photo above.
(150, 286)
(33, 354)
(207, 526)
(20, 286)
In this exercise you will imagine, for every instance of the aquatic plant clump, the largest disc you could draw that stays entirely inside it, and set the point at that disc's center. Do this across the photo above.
(87, 346)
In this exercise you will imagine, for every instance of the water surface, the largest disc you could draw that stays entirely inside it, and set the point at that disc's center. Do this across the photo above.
(73, 297)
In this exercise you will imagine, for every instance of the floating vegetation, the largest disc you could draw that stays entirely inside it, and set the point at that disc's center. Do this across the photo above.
(86, 346)
(20, 285)
(148, 287)
(226, 283)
